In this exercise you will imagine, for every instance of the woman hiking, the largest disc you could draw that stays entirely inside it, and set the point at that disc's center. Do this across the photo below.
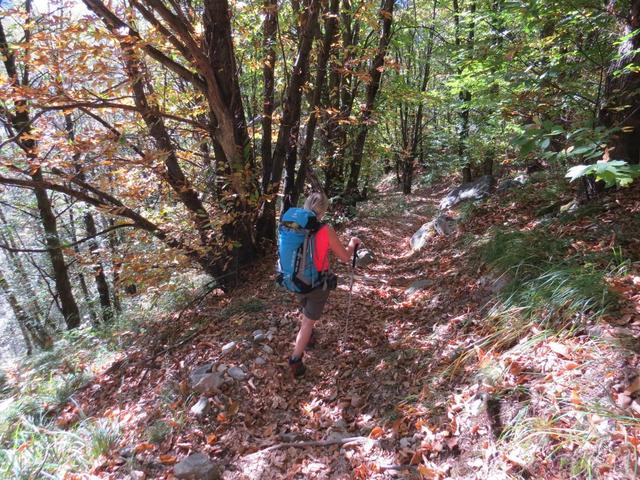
(312, 303)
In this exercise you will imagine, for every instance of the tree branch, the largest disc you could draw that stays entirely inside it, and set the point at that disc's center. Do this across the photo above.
(114, 24)
(66, 245)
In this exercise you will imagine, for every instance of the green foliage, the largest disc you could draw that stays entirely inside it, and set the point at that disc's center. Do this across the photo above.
(103, 435)
(523, 254)
(65, 388)
(545, 287)
(613, 172)
(557, 144)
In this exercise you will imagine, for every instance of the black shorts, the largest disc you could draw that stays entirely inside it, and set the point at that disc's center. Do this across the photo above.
(312, 303)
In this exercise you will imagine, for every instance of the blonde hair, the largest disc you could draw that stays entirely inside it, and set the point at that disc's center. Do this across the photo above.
(318, 202)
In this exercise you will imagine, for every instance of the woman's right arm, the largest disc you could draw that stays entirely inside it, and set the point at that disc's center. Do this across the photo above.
(342, 253)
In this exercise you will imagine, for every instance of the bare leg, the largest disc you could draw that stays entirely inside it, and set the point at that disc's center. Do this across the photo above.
(303, 336)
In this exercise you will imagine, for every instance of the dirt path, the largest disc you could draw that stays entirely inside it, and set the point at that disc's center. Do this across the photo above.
(371, 376)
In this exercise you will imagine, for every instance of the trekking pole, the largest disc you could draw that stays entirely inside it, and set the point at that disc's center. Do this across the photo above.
(353, 268)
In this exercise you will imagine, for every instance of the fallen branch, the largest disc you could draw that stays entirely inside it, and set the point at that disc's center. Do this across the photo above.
(314, 443)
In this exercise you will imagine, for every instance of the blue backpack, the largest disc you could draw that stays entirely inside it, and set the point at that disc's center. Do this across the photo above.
(296, 269)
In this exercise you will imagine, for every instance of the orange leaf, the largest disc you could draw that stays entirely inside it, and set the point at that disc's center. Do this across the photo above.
(212, 438)
(427, 472)
(361, 472)
(168, 459)
(571, 365)
(144, 447)
(575, 398)
(376, 433)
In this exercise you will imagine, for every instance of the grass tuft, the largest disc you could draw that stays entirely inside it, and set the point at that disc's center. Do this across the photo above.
(158, 431)
(253, 305)
(104, 436)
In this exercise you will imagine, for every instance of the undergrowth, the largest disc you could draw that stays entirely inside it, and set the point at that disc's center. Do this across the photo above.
(552, 292)
(32, 444)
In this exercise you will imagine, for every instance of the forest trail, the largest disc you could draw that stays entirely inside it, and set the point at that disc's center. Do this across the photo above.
(396, 381)
(405, 392)
(367, 380)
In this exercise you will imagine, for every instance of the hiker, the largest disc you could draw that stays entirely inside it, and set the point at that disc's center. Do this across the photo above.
(312, 303)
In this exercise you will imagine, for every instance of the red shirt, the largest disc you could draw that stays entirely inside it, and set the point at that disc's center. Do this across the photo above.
(321, 250)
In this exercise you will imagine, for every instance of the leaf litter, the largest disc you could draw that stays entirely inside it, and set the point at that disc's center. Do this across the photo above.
(395, 380)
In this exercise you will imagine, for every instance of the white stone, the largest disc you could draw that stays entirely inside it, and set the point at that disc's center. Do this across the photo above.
(228, 347)
(237, 373)
(201, 407)
(196, 467)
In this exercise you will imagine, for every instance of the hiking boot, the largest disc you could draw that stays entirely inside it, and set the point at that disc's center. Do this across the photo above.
(297, 367)
(313, 341)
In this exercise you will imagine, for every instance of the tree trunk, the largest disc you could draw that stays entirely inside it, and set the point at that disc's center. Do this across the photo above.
(60, 272)
(90, 227)
(101, 280)
(38, 334)
(218, 80)
(330, 30)
(288, 132)
(20, 122)
(79, 275)
(116, 265)
(341, 93)
(416, 132)
(269, 29)
(465, 95)
(19, 268)
(375, 73)
(622, 88)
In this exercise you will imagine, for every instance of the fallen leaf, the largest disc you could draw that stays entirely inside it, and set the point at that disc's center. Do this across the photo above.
(168, 459)
(233, 408)
(428, 473)
(575, 398)
(144, 447)
(376, 433)
(633, 387)
(560, 349)
(571, 365)
(361, 472)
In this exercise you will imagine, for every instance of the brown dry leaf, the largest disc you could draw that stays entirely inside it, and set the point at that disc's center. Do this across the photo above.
(72, 476)
(361, 472)
(212, 438)
(168, 459)
(429, 473)
(633, 387)
(571, 365)
(233, 408)
(144, 447)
